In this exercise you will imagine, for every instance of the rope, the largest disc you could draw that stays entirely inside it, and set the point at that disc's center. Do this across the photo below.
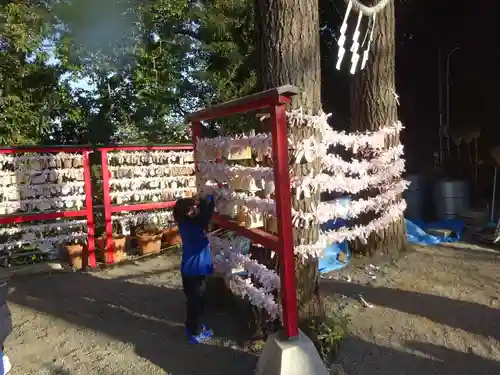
(368, 11)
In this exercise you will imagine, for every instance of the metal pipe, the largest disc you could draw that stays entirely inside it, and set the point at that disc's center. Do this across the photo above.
(440, 104)
(492, 215)
(448, 120)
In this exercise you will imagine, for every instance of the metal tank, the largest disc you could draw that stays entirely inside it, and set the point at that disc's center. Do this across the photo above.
(451, 198)
(415, 197)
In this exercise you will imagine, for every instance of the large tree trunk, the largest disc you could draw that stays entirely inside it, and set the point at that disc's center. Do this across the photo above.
(289, 51)
(373, 105)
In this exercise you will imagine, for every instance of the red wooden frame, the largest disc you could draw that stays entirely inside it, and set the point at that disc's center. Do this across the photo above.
(274, 100)
(87, 212)
(110, 209)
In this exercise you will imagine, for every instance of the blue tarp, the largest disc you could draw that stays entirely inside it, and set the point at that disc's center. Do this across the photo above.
(416, 231)
(329, 261)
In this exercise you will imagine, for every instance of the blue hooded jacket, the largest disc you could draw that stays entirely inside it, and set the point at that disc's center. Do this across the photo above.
(196, 254)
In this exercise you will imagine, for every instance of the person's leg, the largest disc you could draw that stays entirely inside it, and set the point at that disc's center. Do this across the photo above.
(191, 287)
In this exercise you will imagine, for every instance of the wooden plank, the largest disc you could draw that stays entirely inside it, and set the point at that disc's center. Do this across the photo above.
(242, 104)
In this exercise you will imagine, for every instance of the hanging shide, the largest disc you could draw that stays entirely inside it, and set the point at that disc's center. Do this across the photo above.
(41, 183)
(246, 192)
(150, 176)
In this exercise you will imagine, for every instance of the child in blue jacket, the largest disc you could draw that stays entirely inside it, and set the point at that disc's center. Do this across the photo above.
(192, 217)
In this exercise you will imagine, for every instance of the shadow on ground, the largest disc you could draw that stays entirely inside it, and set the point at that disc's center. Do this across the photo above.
(359, 357)
(149, 317)
(471, 317)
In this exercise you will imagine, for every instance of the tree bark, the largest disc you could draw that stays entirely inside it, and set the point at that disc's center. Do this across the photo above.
(373, 105)
(289, 53)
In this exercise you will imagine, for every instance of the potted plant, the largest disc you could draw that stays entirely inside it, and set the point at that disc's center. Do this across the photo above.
(171, 236)
(149, 238)
(75, 251)
(116, 252)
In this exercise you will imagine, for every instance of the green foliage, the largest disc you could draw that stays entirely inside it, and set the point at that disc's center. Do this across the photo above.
(29, 87)
(148, 64)
(326, 333)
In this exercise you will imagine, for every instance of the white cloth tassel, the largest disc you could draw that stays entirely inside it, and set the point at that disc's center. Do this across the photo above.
(355, 46)
(367, 50)
(342, 38)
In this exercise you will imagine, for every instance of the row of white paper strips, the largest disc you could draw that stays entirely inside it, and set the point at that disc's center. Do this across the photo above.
(151, 176)
(211, 149)
(153, 182)
(230, 260)
(157, 217)
(17, 192)
(381, 170)
(34, 183)
(152, 195)
(151, 170)
(44, 244)
(76, 202)
(37, 229)
(150, 157)
(324, 211)
(386, 173)
(41, 177)
(41, 161)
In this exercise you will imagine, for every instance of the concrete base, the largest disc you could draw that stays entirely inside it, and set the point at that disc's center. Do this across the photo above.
(290, 357)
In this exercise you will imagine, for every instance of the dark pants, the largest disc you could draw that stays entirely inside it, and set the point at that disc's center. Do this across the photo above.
(194, 288)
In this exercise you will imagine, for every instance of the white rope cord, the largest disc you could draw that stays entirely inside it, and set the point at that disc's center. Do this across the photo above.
(366, 10)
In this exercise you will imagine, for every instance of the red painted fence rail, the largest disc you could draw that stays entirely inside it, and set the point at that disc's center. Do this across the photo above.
(274, 101)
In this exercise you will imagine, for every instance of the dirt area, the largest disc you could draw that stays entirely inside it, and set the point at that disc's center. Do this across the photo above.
(435, 311)
(124, 320)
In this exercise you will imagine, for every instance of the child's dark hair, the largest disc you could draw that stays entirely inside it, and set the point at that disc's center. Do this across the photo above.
(182, 208)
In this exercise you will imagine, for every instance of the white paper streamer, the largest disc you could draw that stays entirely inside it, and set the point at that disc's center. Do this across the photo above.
(150, 157)
(44, 244)
(391, 214)
(45, 227)
(228, 256)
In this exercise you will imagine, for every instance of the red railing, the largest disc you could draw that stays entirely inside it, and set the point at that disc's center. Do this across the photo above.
(109, 208)
(274, 100)
(85, 212)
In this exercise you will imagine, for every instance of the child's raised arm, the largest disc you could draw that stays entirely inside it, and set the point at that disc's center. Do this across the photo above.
(206, 210)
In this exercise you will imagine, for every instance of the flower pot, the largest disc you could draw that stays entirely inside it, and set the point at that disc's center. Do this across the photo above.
(117, 251)
(75, 252)
(149, 242)
(171, 236)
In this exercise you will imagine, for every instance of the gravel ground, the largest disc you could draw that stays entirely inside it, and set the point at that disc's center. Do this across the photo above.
(124, 320)
(436, 311)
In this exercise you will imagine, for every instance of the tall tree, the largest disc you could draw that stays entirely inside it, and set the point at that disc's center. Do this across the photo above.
(373, 105)
(289, 50)
(29, 85)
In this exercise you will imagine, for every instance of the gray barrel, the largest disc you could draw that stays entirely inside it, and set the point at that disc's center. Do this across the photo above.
(451, 198)
(415, 197)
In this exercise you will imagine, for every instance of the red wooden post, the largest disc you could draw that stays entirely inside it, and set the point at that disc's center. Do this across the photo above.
(274, 99)
(88, 209)
(108, 225)
(283, 200)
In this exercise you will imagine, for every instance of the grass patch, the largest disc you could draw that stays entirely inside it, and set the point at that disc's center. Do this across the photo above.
(326, 333)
